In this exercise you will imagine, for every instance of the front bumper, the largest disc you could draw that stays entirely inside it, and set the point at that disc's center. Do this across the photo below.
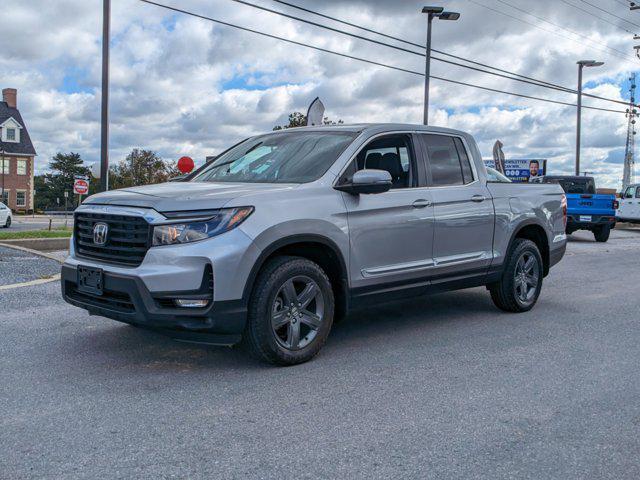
(127, 299)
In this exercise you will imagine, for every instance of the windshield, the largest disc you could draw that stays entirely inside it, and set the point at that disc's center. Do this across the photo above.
(495, 176)
(291, 157)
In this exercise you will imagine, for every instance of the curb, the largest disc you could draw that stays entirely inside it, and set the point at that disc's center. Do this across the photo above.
(30, 250)
(39, 244)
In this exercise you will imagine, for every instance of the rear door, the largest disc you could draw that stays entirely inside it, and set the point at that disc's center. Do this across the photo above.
(391, 233)
(463, 209)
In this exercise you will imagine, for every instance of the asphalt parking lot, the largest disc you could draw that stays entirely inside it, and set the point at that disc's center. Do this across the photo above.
(442, 387)
(38, 222)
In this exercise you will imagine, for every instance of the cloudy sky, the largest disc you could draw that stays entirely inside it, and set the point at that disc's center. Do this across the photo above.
(186, 86)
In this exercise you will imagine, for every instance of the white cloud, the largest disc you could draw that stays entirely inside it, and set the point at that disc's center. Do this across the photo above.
(181, 85)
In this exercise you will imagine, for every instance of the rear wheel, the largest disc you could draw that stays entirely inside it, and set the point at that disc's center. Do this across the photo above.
(290, 312)
(602, 233)
(8, 223)
(521, 282)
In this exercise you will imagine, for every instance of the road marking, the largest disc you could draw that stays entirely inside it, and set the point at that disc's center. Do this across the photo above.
(39, 281)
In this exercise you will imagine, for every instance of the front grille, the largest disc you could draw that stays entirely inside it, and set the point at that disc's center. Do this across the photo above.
(128, 238)
(120, 302)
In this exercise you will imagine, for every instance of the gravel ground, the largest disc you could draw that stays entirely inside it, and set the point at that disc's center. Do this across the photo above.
(442, 387)
(17, 266)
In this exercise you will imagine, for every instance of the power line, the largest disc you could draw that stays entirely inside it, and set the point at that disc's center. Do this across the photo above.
(532, 81)
(408, 42)
(597, 16)
(609, 13)
(618, 53)
(360, 59)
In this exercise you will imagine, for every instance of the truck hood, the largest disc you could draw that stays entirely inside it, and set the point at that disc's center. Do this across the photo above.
(182, 196)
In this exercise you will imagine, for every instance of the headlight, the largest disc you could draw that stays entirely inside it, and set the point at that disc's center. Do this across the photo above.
(222, 221)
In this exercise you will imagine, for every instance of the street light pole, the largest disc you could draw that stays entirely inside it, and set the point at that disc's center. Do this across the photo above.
(104, 118)
(581, 65)
(432, 12)
(578, 120)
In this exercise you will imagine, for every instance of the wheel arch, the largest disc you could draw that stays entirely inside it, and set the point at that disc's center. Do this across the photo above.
(317, 248)
(534, 231)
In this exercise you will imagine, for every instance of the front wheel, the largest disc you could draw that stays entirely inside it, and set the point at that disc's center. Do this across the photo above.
(519, 288)
(290, 312)
(8, 223)
(602, 233)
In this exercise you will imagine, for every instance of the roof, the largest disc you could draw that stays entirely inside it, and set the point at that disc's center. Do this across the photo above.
(375, 128)
(24, 147)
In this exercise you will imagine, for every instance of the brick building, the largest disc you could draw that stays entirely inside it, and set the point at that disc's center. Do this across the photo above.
(17, 155)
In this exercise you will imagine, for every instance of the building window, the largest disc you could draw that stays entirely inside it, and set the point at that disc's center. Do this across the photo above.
(21, 167)
(5, 197)
(21, 198)
(5, 164)
(11, 134)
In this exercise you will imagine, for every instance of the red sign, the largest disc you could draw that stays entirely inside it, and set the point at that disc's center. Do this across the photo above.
(185, 164)
(80, 186)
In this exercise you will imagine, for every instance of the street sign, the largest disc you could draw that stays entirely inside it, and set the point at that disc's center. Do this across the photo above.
(66, 194)
(80, 186)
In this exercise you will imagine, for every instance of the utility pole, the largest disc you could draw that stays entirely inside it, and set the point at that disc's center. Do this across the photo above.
(432, 13)
(629, 161)
(581, 65)
(104, 118)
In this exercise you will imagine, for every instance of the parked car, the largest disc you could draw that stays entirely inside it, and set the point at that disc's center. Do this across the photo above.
(6, 216)
(287, 231)
(586, 209)
(629, 210)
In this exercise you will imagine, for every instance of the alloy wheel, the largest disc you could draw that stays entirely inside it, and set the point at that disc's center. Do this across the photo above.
(526, 278)
(297, 312)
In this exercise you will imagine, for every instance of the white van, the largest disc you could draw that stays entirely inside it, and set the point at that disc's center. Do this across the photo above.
(629, 210)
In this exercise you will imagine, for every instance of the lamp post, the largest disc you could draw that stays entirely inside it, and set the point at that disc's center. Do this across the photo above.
(432, 12)
(104, 115)
(581, 65)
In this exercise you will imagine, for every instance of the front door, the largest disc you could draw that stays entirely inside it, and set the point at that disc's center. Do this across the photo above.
(630, 204)
(463, 210)
(391, 233)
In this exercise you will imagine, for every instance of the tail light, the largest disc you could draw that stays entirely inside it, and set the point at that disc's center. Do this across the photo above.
(563, 203)
(616, 204)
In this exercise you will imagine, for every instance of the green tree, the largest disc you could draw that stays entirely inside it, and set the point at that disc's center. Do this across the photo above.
(298, 119)
(141, 167)
(51, 186)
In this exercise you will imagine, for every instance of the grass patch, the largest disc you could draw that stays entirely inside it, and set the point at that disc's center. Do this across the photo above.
(56, 233)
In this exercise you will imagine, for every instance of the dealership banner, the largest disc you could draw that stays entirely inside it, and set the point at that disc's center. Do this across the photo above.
(521, 170)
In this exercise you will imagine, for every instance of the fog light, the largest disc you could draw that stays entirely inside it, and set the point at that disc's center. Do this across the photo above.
(189, 303)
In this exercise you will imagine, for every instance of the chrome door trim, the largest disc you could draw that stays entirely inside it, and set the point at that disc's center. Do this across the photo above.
(398, 268)
(462, 258)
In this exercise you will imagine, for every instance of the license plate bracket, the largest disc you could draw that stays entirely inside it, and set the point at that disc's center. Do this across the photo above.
(585, 218)
(90, 280)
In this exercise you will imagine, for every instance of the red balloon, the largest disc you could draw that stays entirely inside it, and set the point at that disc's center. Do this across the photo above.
(185, 164)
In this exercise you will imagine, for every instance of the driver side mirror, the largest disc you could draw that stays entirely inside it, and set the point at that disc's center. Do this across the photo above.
(367, 181)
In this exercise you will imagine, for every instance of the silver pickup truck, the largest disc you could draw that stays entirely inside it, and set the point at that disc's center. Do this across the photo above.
(285, 232)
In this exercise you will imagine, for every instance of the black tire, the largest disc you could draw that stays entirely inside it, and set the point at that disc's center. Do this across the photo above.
(506, 293)
(262, 338)
(602, 233)
(8, 223)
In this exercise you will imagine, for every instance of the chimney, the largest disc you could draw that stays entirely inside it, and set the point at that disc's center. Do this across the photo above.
(10, 95)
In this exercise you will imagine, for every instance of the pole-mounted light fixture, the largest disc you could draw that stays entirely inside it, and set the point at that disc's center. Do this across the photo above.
(432, 12)
(581, 65)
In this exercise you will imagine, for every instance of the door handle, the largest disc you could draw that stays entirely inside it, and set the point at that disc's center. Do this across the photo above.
(478, 198)
(421, 203)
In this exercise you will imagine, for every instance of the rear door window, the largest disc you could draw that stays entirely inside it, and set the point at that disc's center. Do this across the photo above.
(447, 160)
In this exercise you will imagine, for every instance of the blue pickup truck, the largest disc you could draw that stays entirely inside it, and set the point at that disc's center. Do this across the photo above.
(586, 209)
